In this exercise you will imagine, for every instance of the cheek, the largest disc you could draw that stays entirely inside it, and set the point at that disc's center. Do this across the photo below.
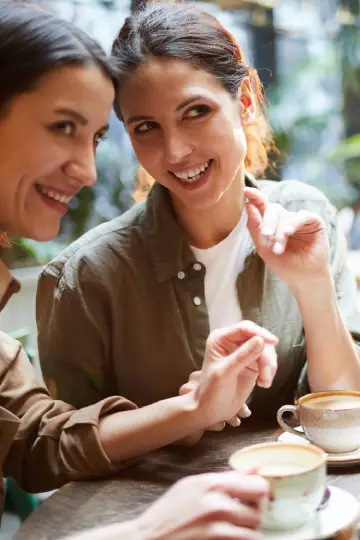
(148, 154)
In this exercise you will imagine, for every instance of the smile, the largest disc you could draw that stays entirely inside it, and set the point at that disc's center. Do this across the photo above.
(193, 175)
(52, 194)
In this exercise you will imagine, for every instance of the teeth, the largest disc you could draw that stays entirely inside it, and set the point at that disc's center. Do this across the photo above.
(193, 175)
(54, 195)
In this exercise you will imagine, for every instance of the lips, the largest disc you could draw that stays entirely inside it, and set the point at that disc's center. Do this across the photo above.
(193, 174)
(54, 194)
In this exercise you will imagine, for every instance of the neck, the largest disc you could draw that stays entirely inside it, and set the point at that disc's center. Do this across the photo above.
(209, 226)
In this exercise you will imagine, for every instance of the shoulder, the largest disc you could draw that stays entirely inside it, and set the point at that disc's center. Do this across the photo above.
(105, 250)
(9, 349)
(294, 195)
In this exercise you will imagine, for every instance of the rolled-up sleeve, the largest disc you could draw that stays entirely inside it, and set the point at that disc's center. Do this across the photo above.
(55, 443)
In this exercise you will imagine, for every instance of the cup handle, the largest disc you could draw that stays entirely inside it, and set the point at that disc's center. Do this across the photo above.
(284, 425)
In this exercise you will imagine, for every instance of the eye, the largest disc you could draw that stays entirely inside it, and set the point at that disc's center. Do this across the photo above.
(67, 128)
(197, 111)
(102, 136)
(145, 127)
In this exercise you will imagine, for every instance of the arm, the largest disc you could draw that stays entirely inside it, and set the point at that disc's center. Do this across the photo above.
(307, 251)
(331, 323)
(56, 443)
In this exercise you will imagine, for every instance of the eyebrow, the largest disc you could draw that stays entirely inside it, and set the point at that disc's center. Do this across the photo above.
(77, 117)
(182, 105)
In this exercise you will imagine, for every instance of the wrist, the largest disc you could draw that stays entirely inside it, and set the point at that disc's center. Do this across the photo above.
(314, 284)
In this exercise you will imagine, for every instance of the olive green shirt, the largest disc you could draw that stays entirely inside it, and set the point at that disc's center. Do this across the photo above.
(122, 310)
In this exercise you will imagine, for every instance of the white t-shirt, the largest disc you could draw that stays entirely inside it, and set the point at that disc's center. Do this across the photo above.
(223, 263)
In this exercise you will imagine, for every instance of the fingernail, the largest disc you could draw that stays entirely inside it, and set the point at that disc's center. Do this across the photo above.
(266, 377)
(278, 248)
(237, 422)
(246, 411)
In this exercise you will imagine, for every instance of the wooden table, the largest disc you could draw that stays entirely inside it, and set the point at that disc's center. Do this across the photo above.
(82, 505)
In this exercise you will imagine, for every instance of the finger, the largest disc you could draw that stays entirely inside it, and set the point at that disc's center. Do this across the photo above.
(267, 366)
(244, 412)
(224, 508)
(286, 226)
(270, 223)
(187, 388)
(242, 357)
(256, 198)
(234, 421)
(243, 330)
(195, 376)
(308, 220)
(219, 426)
(254, 222)
(247, 488)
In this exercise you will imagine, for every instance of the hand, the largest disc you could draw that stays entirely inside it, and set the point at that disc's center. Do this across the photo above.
(268, 360)
(193, 439)
(206, 506)
(294, 245)
(217, 506)
(235, 358)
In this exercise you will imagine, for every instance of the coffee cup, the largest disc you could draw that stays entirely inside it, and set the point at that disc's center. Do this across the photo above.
(330, 420)
(296, 474)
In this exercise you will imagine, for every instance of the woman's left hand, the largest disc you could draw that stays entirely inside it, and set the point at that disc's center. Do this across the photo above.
(294, 245)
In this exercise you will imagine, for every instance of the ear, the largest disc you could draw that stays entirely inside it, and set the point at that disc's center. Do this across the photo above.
(247, 104)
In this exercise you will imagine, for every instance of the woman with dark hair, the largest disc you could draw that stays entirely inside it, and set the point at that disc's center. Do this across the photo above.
(209, 247)
(56, 91)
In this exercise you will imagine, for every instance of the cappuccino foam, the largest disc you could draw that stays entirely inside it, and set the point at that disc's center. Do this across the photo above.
(334, 402)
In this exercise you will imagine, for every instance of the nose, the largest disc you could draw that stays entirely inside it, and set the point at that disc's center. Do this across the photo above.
(82, 167)
(176, 147)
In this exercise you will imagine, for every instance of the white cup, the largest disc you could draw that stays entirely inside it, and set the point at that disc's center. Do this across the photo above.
(297, 477)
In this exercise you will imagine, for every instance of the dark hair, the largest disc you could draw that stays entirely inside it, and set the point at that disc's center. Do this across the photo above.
(33, 42)
(186, 32)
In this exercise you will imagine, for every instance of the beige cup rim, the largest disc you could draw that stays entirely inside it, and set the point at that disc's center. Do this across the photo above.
(310, 397)
(290, 446)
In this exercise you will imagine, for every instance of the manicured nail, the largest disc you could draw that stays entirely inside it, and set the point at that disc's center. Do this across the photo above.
(278, 248)
(237, 422)
(246, 411)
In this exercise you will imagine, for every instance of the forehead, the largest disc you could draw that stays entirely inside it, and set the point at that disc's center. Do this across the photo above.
(83, 88)
(166, 83)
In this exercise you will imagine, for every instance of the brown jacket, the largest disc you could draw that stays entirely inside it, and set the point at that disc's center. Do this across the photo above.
(131, 296)
(44, 443)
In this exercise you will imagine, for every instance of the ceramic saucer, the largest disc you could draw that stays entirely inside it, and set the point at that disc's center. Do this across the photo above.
(350, 458)
(339, 515)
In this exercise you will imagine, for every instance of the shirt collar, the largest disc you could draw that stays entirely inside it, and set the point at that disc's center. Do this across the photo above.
(168, 244)
(8, 285)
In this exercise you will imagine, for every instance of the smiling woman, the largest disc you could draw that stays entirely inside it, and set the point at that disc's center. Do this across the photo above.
(48, 88)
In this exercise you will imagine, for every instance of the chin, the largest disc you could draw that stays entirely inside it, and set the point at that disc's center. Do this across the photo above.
(42, 234)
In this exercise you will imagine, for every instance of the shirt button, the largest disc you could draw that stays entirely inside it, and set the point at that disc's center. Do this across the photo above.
(197, 301)
(197, 266)
(181, 275)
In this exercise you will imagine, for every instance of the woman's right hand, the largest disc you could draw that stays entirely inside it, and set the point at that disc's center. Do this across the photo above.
(236, 358)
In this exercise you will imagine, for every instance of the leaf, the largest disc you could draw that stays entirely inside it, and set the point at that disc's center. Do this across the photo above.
(348, 149)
